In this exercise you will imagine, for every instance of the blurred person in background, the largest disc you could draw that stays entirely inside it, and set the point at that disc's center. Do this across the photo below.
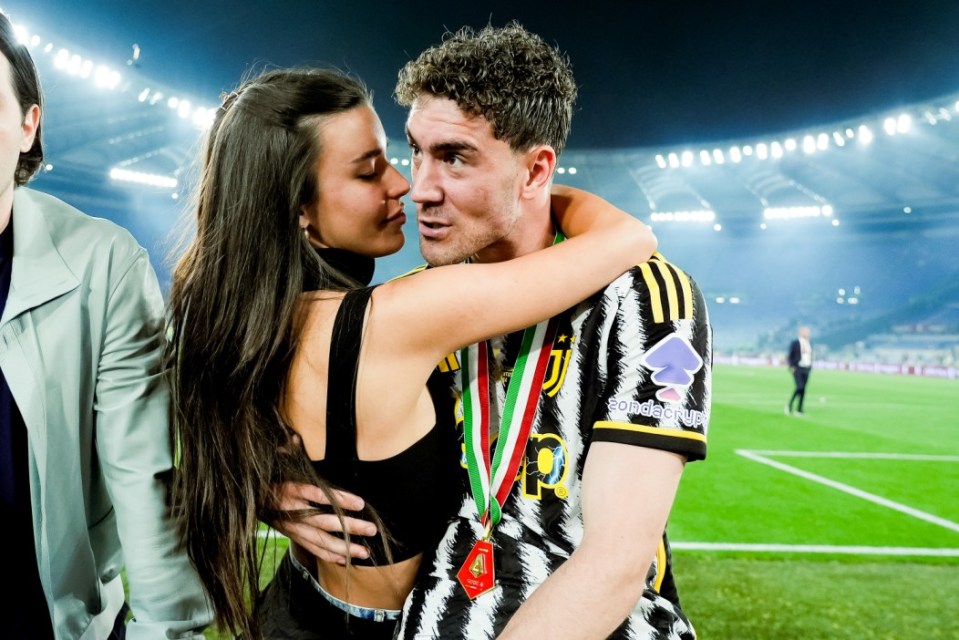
(799, 361)
(85, 445)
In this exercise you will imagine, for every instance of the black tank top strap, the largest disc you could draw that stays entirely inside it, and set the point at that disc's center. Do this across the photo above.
(341, 378)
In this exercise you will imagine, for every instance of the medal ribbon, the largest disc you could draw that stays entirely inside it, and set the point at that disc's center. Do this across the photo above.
(492, 480)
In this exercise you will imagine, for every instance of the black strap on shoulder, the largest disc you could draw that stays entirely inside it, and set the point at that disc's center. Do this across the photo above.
(341, 377)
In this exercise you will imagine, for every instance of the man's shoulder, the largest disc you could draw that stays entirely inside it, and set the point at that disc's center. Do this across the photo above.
(78, 235)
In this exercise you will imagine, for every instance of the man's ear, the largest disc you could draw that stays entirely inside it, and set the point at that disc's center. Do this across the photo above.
(31, 122)
(540, 164)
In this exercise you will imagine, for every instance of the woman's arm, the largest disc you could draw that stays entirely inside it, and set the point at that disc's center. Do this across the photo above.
(443, 309)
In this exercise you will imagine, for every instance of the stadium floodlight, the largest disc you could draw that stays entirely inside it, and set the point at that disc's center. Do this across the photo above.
(203, 118)
(144, 95)
(22, 34)
(762, 151)
(572, 171)
(822, 141)
(763, 226)
(790, 144)
(699, 215)
(720, 300)
(835, 222)
(661, 161)
(809, 144)
(674, 161)
(137, 177)
(903, 123)
(850, 133)
(838, 139)
(733, 300)
(889, 126)
(705, 158)
(791, 213)
(560, 170)
(34, 40)
(907, 210)
(865, 134)
(718, 157)
(747, 150)
(183, 109)
(74, 65)
(687, 158)
(776, 150)
(405, 162)
(86, 69)
(735, 155)
(173, 102)
(717, 227)
(48, 48)
(827, 210)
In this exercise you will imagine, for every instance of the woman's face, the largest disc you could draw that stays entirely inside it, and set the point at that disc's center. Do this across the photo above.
(358, 207)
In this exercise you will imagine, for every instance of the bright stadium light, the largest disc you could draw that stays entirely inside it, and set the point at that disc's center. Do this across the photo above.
(700, 215)
(865, 134)
(717, 227)
(718, 157)
(561, 170)
(137, 177)
(661, 161)
(705, 158)
(889, 126)
(809, 144)
(22, 34)
(791, 213)
(776, 150)
(835, 222)
(747, 150)
(762, 151)
(903, 123)
(822, 141)
(735, 155)
(674, 161)
(838, 139)
(790, 144)
(572, 171)
(687, 158)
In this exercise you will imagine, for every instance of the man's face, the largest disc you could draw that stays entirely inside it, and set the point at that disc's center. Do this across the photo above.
(466, 183)
(16, 130)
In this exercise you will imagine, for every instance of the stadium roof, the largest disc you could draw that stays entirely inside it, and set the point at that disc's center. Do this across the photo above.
(719, 113)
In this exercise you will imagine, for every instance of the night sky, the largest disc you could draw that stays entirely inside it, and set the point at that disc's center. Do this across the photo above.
(650, 73)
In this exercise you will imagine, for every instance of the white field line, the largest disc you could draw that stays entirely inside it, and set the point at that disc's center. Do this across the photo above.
(922, 457)
(814, 548)
(776, 548)
(859, 493)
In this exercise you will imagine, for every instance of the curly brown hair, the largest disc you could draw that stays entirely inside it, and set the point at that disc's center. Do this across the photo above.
(515, 80)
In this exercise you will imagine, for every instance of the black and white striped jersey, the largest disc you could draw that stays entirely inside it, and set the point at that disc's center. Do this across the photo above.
(630, 365)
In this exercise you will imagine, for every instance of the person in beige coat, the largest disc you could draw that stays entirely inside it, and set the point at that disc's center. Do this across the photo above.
(85, 445)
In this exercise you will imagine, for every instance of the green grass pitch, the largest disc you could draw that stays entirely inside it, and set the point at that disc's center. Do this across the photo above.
(782, 533)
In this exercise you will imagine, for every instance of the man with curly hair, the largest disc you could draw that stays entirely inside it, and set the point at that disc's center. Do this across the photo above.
(563, 534)
(575, 432)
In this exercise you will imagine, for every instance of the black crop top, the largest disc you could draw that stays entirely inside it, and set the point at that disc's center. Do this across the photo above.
(415, 492)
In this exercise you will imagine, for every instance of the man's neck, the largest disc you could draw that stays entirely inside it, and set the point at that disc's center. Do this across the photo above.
(533, 231)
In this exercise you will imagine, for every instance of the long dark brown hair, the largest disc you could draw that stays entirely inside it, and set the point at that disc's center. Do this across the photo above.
(234, 315)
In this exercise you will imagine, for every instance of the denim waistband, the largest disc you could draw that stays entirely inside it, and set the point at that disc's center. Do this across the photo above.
(364, 613)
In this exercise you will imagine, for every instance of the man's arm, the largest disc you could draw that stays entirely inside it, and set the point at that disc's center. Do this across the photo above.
(134, 447)
(627, 493)
(314, 534)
